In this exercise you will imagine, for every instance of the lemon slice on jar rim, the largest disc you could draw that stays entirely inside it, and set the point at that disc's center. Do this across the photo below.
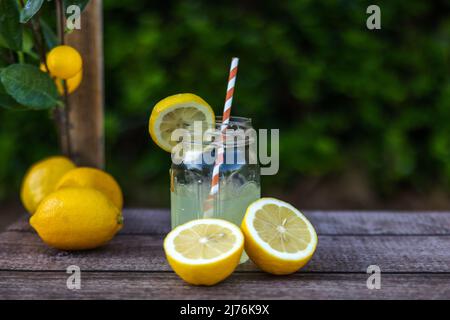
(204, 251)
(278, 237)
(178, 111)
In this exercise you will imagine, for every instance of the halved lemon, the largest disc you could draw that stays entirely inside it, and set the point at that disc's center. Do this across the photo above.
(175, 112)
(204, 251)
(278, 237)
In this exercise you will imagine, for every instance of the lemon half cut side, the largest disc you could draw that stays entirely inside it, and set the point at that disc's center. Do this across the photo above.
(278, 237)
(204, 251)
(178, 111)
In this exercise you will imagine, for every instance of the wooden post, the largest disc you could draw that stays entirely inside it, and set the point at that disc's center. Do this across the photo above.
(86, 103)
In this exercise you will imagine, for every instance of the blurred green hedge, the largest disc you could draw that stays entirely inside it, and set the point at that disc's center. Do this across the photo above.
(342, 96)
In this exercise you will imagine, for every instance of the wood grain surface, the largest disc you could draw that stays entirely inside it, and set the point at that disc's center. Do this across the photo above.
(166, 285)
(411, 248)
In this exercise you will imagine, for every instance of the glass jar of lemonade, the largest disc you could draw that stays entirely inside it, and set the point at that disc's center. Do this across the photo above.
(239, 179)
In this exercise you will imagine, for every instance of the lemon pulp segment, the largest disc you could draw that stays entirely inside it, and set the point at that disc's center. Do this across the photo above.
(204, 241)
(182, 117)
(278, 237)
(281, 228)
(204, 251)
(179, 111)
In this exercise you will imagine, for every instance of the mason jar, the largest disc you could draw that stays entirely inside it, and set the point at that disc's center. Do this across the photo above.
(239, 175)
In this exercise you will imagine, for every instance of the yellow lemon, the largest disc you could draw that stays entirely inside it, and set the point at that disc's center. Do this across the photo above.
(76, 219)
(278, 237)
(204, 251)
(93, 178)
(71, 83)
(179, 111)
(64, 62)
(41, 179)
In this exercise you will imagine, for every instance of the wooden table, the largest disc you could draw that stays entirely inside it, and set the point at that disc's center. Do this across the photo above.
(411, 248)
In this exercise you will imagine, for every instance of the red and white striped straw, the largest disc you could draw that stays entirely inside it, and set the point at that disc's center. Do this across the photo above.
(208, 207)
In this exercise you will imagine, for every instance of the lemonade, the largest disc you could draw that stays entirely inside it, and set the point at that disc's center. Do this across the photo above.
(238, 191)
(239, 179)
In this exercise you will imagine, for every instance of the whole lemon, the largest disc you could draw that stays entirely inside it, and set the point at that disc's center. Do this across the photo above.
(93, 178)
(71, 83)
(64, 62)
(76, 219)
(41, 179)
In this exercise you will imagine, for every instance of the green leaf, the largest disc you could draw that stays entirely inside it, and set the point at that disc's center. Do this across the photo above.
(30, 9)
(49, 36)
(10, 28)
(7, 102)
(81, 3)
(29, 86)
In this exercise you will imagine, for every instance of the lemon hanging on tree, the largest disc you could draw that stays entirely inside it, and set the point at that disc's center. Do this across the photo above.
(71, 83)
(64, 62)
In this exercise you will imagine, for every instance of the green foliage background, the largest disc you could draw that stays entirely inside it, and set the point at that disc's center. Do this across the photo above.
(342, 96)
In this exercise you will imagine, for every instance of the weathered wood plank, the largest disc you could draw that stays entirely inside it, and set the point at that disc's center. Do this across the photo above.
(380, 222)
(165, 285)
(25, 251)
(157, 221)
